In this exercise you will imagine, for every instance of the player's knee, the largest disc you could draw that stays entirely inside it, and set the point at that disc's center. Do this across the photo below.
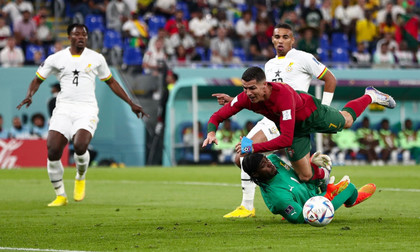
(54, 155)
(80, 149)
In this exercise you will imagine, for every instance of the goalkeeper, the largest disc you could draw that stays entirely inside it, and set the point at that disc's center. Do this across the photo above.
(285, 194)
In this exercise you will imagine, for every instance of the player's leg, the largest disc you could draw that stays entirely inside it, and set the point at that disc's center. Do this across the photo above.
(263, 131)
(83, 130)
(55, 145)
(347, 196)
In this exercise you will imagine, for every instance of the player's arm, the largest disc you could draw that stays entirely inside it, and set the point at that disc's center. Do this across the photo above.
(222, 99)
(329, 87)
(33, 87)
(117, 89)
(287, 207)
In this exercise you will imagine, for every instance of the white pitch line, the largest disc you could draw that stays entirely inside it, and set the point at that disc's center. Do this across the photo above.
(399, 189)
(37, 249)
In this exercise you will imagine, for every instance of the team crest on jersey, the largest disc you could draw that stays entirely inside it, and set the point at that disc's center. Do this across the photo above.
(273, 130)
(88, 68)
(289, 67)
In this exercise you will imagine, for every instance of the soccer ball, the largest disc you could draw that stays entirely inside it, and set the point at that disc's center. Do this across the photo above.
(318, 211)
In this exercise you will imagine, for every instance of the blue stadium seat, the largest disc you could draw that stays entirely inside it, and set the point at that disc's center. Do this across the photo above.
(340, 55)
(132, 56)
(324, 42)
(201, 51)
(184, 7)
(323, 55)
(112, 39)
(31, 50)
(340, 40)
(240, 53)
(94, 22)
(155, 23)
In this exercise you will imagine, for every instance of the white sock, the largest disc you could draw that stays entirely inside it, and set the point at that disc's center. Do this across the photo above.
(55, 172)
(82, 163)
(248, 189)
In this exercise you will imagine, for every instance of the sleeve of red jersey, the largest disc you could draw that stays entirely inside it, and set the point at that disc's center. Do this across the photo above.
(238, 103)
(287, 109)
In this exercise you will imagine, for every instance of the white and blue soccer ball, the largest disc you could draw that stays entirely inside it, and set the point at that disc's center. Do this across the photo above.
(318, 211)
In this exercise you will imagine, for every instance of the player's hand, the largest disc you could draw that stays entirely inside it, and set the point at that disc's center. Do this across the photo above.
(211, 138)
(334, 190)
(27, 101)
(138, 110)
(222, 99)
(321, 160)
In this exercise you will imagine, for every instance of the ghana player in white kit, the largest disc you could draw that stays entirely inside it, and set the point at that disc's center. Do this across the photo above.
(76, 113)
(297, 69)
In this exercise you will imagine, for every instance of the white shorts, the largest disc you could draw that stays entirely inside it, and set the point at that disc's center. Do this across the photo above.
(69, 118)
(267, 126)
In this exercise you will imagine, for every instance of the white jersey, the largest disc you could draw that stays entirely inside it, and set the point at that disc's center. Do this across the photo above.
(76, 74)
(296, 69)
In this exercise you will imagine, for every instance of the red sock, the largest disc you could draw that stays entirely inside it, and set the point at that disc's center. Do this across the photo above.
(319, 173)
(359, 105)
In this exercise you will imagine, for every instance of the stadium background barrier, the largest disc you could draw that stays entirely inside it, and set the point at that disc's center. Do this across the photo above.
(120, 134)
(191, 99)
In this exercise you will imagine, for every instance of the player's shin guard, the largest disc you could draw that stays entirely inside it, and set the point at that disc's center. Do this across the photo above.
(248, 190)
(55, 172)
(82, 163)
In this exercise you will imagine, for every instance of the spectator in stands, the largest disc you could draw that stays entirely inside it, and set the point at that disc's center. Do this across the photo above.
(173, 24)
(39, 126)
(181, 57)
(383, 58)
(12, 10)
(388, 143)
(42, 12)
(228, 138)
(55, 89)
(347, 144)
(308, 41)
(409, 28)
(168, 47)
(165, 8)
(409, 139)
(184, 39)
(25, 30)
(79, 7)
(245, 28)
(388, 26)
(43, 32)
(18, 130)
(5, 32)
(366, 31)
(247, 128)
(369, 141)
(361, 57)
(403, 56)
(4, 134)
(188, 140)
(136, 30)
(343, 18)
(326, 12)
(221, 21)
(144, 7)
(58, 46)
(117, 13)
(261, 48)
(38, 58)
(388, 38)
(11, 55)
(154, 57)
(312, 17)
(291, 18)
(200, 28)
(98, 7)
(222, 49)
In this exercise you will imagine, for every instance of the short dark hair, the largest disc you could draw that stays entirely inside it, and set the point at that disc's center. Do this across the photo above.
(37, 115)
(72, 26)
(250, 165)
(284, 26)
(254, 73)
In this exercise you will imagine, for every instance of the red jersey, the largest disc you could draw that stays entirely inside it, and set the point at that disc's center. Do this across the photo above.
(285, 107)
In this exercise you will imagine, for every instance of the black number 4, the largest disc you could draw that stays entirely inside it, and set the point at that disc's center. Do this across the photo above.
(76, 80)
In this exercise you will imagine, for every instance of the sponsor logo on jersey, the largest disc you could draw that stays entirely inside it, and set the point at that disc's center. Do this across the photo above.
(234, 101)
(289, 209)
(332, 125)
(287, 114)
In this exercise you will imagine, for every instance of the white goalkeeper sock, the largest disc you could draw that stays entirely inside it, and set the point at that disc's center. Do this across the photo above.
(82, 163)
(55, 172)
(248, 189)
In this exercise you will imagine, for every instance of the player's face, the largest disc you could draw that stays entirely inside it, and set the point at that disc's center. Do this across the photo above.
(78, 37)
(266, 171)
(255, 91)
(283, 41)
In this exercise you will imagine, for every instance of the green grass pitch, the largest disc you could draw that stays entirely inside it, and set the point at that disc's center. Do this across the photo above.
(181, 209)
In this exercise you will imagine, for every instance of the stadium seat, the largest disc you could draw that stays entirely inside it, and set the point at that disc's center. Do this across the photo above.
(94, 22)
(324, 42)
(323, 55)
(112, 39)
(155, 23)
(132, 56)
(340, 55)
(31, 50)
(340, 40)
(240, 53)
(201, 51)
(184, 7)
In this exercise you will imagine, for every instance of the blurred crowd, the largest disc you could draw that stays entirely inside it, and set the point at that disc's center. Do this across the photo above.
(381, 33)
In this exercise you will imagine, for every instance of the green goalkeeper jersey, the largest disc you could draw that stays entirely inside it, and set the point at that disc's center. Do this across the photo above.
(285, 194)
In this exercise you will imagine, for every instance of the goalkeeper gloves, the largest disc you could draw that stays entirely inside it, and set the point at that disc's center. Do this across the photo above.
(246, 145)
(321, 160)
(334, 190)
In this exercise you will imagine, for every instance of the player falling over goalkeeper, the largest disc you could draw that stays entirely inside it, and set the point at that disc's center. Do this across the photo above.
(285, 194)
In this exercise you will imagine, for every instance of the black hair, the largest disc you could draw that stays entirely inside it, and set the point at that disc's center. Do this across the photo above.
(72, 26)
(37, 115)
(250, 165)
(284, 26)
(253, 73)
